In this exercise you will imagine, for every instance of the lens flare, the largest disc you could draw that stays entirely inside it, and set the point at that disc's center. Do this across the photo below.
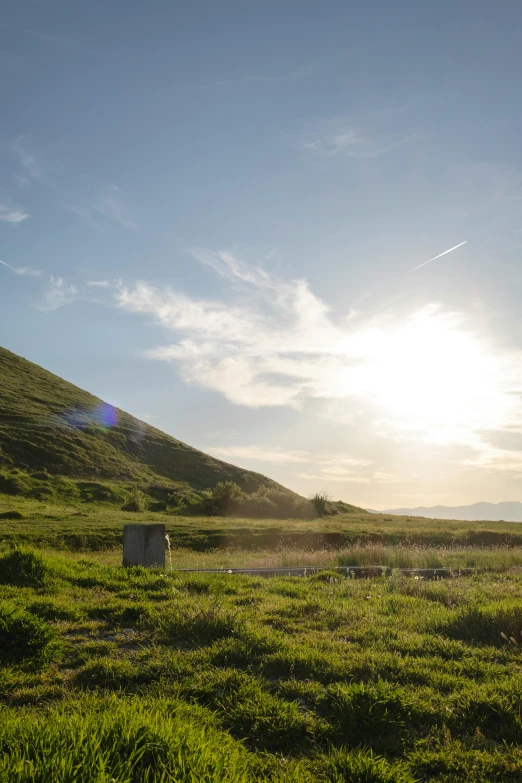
(102, 416)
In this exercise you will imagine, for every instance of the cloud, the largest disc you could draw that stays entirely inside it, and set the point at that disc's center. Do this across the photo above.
(340, 138)
(9, 215)
(345, 478)
(340, 474)
(58, 293)
(115, 282)
(28, 162)
(22, 181)
(22, 270)
(103, 201)
(431, 376)
(278, 455)
(107, 202)
(147, 416)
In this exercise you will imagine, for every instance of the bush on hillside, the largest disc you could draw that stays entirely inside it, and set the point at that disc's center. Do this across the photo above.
(136, 501)
(227, 497)
(177, 500)
(321, 502)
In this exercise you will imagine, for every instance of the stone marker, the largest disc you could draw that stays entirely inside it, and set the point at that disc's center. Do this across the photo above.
(144, 545)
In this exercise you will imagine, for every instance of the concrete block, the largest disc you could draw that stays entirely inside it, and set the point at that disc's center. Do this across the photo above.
(144, 545)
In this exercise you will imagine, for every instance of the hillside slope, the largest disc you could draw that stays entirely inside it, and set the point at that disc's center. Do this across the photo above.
(47, 423)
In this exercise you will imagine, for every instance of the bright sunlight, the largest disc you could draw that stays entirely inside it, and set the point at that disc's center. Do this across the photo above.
(429, 375)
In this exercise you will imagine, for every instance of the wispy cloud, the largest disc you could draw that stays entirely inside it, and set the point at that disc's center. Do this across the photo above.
(95, 204)
(281, 456)
(108, 202)
(57, 293)
(341, 475)
(22, 270)
(27, 161)
(345, 477)
(147, 416)
(336, 137)
(114, 283)
(9, 215)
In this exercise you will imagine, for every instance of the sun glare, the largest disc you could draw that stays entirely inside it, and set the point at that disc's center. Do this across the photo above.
(429, 375)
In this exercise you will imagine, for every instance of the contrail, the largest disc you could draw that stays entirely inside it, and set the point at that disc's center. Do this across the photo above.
(8, 266)
(435, 257)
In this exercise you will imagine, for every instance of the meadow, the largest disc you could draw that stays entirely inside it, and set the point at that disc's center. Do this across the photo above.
(110, 674)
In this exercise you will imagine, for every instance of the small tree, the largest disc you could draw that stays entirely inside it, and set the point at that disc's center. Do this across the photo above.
(321, 501)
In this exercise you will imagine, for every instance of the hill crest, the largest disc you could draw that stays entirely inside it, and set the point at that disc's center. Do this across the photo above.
(48, 423)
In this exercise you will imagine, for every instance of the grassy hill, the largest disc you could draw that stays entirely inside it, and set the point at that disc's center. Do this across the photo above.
(47, 423)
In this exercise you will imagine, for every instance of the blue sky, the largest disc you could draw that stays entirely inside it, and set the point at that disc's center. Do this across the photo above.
(209, 213)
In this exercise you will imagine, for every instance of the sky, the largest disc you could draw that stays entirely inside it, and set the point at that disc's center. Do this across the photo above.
(232, 219)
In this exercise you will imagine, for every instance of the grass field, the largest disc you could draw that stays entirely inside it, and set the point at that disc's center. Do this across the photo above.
(128, 675)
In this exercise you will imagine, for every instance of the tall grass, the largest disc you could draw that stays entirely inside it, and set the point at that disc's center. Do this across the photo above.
(98, 740)
(497, 558)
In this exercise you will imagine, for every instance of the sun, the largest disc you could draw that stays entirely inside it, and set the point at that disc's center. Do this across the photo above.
(428, 374)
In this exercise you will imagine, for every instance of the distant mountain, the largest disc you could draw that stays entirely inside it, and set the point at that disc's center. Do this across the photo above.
(48, 424)
(492, 512)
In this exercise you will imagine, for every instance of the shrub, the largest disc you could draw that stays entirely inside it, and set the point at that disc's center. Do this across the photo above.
(24, 569)
(227, 497)
(321, 501)
(177, 500)
(24, 636)
(136, 501)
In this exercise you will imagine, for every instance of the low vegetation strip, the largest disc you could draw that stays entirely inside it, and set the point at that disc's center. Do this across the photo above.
(144, 675)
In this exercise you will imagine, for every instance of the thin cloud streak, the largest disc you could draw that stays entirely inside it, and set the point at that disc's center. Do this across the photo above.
(278, 455)
(22, 270)
(439, 256)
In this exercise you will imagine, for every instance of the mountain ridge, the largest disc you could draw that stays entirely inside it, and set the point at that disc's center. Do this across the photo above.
(506, 511)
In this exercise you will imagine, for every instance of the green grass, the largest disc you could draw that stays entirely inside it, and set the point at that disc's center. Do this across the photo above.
(147, 675)
(355, 538)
